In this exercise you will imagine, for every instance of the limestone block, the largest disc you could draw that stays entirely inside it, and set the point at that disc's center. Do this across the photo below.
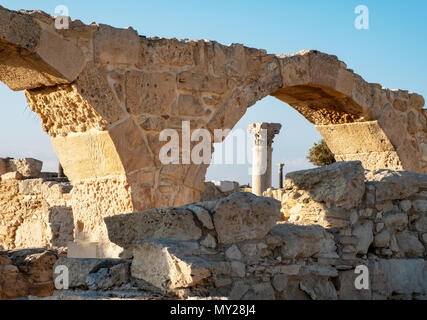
(155, 101)
(365, 137)
(303, 241)
(93, 86)
(200, 82)
(202, 214)
(30, 186)
(163, 264)
(80, 268)
(12, 283)
(189, 105)
(363, 231)
(61, 55)
(92, 147)
(47, 59)
(391, 185)
(409, 244)
(29, 234)
(420, 206)
(341, 184)
(116, 46)
(382, 239)
(243, 216)
(323, 69)
(295, 69)
(374, 161)
(171, 223)
(131, 146)
(107, 278)
(238, 269)
(53, 192)
(15, 175)
(28, 167)
(233, 253)
(19, 29)
(393, 220)
(64, 110)
(167, 52)
(30, 273)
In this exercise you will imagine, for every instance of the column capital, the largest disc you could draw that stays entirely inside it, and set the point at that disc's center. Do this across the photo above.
(264, 132)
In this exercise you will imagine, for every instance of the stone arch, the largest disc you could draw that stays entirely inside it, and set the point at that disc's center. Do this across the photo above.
(105, 94)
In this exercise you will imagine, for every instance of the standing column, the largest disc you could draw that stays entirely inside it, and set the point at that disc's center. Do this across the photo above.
(262, 154)
(281, 165)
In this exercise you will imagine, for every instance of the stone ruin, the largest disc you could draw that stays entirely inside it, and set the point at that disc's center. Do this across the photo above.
(105, 94)
(244, 247)
(35, 206)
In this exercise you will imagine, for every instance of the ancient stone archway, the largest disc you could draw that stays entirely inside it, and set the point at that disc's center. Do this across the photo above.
(104, 94)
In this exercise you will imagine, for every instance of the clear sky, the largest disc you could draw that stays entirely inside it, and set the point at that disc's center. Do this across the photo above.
(391, 52)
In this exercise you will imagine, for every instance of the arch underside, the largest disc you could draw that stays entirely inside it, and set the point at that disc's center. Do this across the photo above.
(105, 94)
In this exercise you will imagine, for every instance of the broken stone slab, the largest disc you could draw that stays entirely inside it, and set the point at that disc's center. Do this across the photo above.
(202, 214)
(107, 278)
(163, 263)
(341, 184)
(28, 167)
(244, 216)
(392, 185)
(79, 269)
(303, 241)
(171, 223)
(15, 175)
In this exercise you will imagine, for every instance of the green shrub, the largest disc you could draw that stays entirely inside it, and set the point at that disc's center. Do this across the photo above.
(320, 155)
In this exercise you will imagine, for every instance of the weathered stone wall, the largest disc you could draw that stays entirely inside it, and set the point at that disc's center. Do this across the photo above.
(383, 212)
(35, 211)
(105, 94)
(237, 247)
(27, 272)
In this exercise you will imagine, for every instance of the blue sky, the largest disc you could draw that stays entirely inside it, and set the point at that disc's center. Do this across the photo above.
(391, 52)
